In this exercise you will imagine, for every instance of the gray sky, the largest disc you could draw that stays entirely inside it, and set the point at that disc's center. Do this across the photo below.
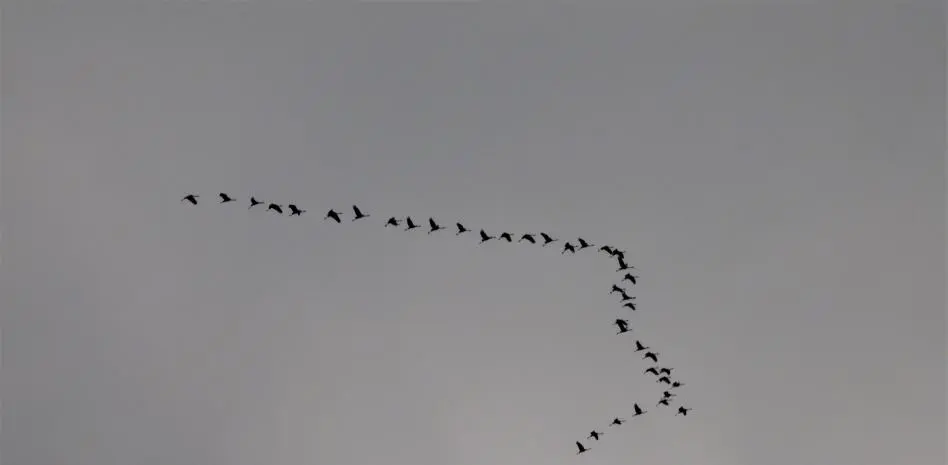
(775, 172)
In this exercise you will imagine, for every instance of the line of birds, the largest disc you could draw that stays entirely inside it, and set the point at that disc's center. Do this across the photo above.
(662, 374)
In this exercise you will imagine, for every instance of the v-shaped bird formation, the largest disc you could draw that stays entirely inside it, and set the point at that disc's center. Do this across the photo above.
(662, 374)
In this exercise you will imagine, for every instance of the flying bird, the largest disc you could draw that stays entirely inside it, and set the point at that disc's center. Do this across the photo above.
(615, 289)
(639, 347)
(275, 207)
(294, 210)
(434, 226)
(652, 370)
(677, 384)
(667, 395)
(485, 237)
(357, 214)
(630, 277)
(193, 198)
(623, 266)
(461, 229)
(606, 249)
(667, 371)
(623, 325)
(594, 435)
(334, 215)
(663, 379)
(506, 236)
(567, 247)
(583, 244)
(391, 222)
(684, 411)
(663, 402)
(619, 254)
(225, 198)
(625, 296)
(616, 421)
(253, 202)
(547, 239)
(581, 448)
(630, 305)
(529, 238)
(409, 224)
(638, 410)
(651, 355)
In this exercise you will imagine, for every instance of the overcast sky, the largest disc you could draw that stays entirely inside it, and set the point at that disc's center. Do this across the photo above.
(775, 173)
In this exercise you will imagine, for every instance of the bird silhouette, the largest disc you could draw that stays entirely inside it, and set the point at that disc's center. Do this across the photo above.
(547, 239)
(225, 198)
(583, 244)
(677, 384)
(391, 222)
(619, 254)
(630, 277)
(651, 355)
(683, 411)
(639, 347)
(615, 289)
(567, 247)
(616, 421)
(506, 236)
(275, 207)
(667, 395)
(485, 237)
(625, 296)
(529, 238)
(652, 370)
(357, 213)
(253, 202)
(294, 210)
(461, 229)
(623, 325)
(663, 402)
(663, 379)
(630, 305)
(623, 266)
(594, 435)
(666, 371)
(193, 198)
(334, 215)
(606, 249)
(638, 410)
(409, 224)
(434, 226)
(581, 448)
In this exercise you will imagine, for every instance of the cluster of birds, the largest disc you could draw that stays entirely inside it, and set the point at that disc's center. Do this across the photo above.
(662, 374)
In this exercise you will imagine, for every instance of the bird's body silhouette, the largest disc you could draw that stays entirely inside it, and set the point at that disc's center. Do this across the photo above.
(666, 371)
(630, 305)
(253, 202)
(663, 379)
(334, 215)
(652, 370)
(529, 238)
(485, 237)
(567, 247)
(663, 402)
(651, 355)
(623, 325)
(357, 213)
(193, 198)
(617, 422)
(638, 410)
(683, 411)
(639, 347)
(625, 297)
(547, 239)
(623, 266)
(583, 244)
(615, 289)
(677, 384)
(667, 395)
(294, 210)
(630, 277)
(409, 224)
(581, 448)
(506, 236)
(595, 435)
(225, 198)
(275, 207)
(433, 226)
(391, 222)
(606, 249)
(461, 229)
(619, 254)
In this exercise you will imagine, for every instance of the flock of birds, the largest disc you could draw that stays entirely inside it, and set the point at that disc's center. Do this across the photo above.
(662, 374)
